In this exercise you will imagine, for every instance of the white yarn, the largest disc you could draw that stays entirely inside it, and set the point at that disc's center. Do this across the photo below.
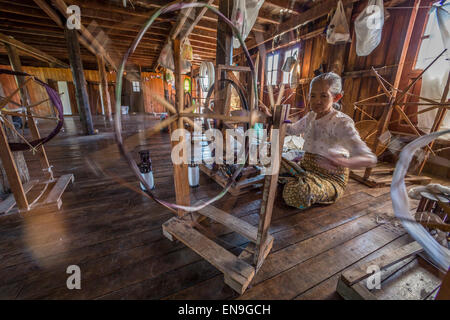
(439, 254)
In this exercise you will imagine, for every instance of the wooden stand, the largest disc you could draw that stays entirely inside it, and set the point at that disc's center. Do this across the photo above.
(238, 270)
(381, 176)
(50, 199)
(408, 262)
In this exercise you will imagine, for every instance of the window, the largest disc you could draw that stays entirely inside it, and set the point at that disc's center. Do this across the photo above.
(289, 53)
(272, 68)
(136, 86)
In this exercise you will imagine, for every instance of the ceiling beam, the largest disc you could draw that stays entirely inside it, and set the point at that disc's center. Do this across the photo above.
(89, 38)
(38, 54)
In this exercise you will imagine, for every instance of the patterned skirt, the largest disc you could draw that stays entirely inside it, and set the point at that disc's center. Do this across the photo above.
(306, 183)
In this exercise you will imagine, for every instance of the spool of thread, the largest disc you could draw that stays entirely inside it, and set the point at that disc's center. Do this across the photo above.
(193, 175)
(148, 177)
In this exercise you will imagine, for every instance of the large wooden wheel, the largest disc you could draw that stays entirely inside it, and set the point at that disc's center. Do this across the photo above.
(177, 116)
(9, 108)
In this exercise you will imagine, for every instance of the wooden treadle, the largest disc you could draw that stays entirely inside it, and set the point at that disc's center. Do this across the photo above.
(51, 199)
(240, 272)
(7, 204)
(58, 189)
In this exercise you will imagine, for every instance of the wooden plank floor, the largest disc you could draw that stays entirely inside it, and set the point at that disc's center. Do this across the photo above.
(114, 234)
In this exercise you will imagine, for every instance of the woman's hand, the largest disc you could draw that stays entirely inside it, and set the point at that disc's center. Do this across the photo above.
(339, 160)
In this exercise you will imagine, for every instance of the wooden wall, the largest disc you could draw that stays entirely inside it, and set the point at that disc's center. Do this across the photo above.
(358, 82)
(150, 82)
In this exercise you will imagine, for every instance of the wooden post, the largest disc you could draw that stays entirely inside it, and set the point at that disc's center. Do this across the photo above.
(181, 170)
(224, 56)
(165, 85)
(270, 187)
(79, 81)
(16, 65)
(386, 116)
(11, 171)
(106, 99)
(262, 78)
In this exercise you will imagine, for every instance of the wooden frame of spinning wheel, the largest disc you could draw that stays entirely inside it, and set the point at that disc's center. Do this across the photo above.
(238, 270)
(247, 182)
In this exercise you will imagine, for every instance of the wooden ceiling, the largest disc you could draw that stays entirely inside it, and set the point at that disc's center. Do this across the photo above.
(115, 27)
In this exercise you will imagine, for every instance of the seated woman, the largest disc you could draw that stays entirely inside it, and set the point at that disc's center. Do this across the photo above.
(332, 146)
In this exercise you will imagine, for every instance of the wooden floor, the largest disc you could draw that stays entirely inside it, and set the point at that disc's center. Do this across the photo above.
(114, 234)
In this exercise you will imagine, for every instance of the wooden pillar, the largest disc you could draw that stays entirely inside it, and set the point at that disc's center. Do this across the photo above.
(165, 85)
(387, 112)
(19, 160)
(104, 87)
(280, 113)
(16, 65)
(180, 171)
(11, 171)
(79, 81)
(262, 79)
(224, 55)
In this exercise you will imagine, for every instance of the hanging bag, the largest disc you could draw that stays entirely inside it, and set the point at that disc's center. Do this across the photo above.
(166, 57)
(187, 52)
(244, 15)
(368, 27)
(338, 31)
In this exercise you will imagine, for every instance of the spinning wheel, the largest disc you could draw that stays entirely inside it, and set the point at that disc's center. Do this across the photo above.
(238, 270)
(50, 195)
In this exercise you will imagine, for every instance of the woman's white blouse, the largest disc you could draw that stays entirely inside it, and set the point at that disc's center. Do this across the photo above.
(335, 131)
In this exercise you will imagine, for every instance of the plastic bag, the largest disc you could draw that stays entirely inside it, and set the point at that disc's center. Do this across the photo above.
(368, 27)
(244, 17)
(338, 30)
(185, 66)
(187, 52)
(166, 57)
